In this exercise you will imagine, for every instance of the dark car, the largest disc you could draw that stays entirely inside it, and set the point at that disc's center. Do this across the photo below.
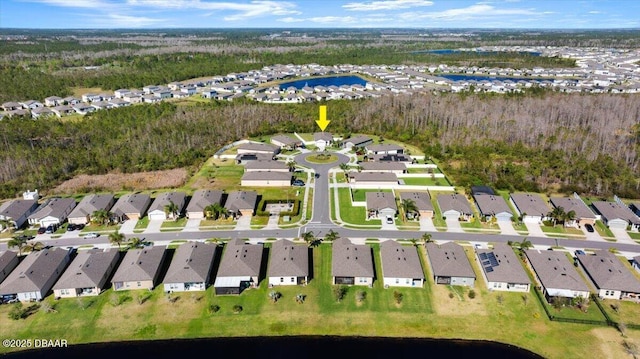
(298, 183)
(71, 227)
(80, 226)
(41, 230)
(589, 228)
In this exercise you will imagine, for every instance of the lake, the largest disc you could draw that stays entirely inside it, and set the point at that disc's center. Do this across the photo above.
(286, 347)
(454, 51)
(325, 81)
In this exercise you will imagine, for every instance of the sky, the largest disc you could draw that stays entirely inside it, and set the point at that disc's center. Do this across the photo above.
(513, 14)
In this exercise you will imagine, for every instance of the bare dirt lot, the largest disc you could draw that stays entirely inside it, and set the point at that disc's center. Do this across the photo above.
(124, 181)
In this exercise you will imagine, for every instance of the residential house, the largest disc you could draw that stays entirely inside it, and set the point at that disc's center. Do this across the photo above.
(285, 142)
(422, 201)
(139, 269)
(635, 207)
(70, 100)
(117, 102)
(381, 205)
(245, 158)
(358, 141)
(83, 109)
(254, 147)
(322, 140)
(158, 209)
(88, 273)
(91, 203)
(121, 93)
(242, 203)
(616, 215)
(609, 276)
(583, 214)
(63, 110)
(200, 200)
(530, 206)
(17, 211)
(131, 206)
(39, 112)
(33, 278)
(239, 267)
(382, 179)
(384, 149)
(449, 264)
(53, 211)
(399, 157)
(556, 274)
(351, 264)
(11, 106)
(401, 265)
(397, 168)
(288, 263)
(493, 206)
(266, 166)
(91, 97)
(454, 206)
(266, 179)
(53, 101)
(190, 268)
(8, 261)
(501, 269)
(31, 104)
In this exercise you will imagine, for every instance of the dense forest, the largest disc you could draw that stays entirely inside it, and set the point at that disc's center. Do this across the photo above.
(551, 143)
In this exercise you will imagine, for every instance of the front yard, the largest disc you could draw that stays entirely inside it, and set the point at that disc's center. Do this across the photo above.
(351, 214)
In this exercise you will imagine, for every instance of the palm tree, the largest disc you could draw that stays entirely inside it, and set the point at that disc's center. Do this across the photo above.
(426, 237)
(136, 242)
(308, 237)
(557, 214)
(171, 209)
(345, 167)
(18, 241)
(569, 217)
(99, 216)
(116, 238)
(34, 246)
(7, 224)
(408, 206)
(331, 236)
(214, 211)
(292, 165)
(525, 244)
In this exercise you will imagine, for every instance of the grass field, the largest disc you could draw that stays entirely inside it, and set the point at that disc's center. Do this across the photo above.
(423, 312)
(424, 181)
(350, 214)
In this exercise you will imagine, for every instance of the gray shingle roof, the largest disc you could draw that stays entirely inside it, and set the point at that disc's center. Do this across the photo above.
(140, 264)
(285, 140)
(555, 270)
(421, 199)
(383, 166)
(203, 198)
(607, 272)
(91, 203)
(380, 200)
(16, 208)
(508, 270)
(456, 202)
(490, 204)
(258, 147)
(374, 177)
(8, 261)
(400, 261)
(266, 165)
(531, 204)
(383, 147)
(88, 269)
(351, 260)
(239, 200)
(240, 259)
(614, 210)
(131, 203)
(288, 259)
(358, 140)
(449, 260)
(191, 263)
(34, 271)
(164, 198)
(573, 204)
(55, 207)
(326, 136)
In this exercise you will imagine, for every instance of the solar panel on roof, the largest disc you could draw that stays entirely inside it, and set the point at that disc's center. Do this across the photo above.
(494, 263)
(489, 269)
(491, 255)
(483, 256)
(486, 263)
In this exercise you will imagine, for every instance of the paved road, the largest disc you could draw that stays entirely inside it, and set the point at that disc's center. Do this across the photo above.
(321, 223)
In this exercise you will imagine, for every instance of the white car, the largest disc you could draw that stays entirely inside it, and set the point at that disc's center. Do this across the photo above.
(92, 235)
(390, 220)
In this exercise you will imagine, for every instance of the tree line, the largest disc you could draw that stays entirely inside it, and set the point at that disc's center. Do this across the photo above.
(551, 143)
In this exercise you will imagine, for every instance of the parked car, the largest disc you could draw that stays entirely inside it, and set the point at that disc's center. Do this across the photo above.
(71, 227)
(589, 228)
(80, 226)
(298, 183)
(92, 235)
(50, 229)
(579, 252)
(389, 220)
(41, 230)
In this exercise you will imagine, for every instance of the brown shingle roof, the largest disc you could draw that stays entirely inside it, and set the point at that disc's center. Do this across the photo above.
(203, 198)
(131, 203)
(191, 262)
(240, 200)
(573, 204)
(88, 269)
(555, 270)
(240, 259)
(490, 204)
(140, 265)
(380, 200)
(531, 204)
(288, 259)
(351, 260)
(449, 260)
(607, 272)
(456, 202)
(508, 270)
(400, 261)
(421, 199)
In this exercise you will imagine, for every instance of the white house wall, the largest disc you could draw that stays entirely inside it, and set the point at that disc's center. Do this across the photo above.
(469, 282)
(283, 281)
(400, 282)
(609, 294)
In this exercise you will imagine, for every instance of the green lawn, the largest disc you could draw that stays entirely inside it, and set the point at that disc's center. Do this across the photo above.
(97, 228)
(218, 222)
(438, 222)
(603, 230)
(142, 223)
(425, 181)
(173, 224)
(360, 195)
(560, 229)
(351, 214)
(634, 235)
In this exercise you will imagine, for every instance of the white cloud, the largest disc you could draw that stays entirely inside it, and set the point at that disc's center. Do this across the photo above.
(467, 13)
(124, 21)
(333, 19)
(243, 11)
(386, 5)
(595, 12)
(291, 19)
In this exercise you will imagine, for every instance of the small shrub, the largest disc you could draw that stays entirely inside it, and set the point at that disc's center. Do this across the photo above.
(274, 295)
(500, 299)
(450, 295)
(361, 295)
(16, 311)
(398, 296)
(339, 292)
(46, 307)
(142, 297)
(525, 299)
(472, 294)
(214, 308)
(237, 308)
(300, 298)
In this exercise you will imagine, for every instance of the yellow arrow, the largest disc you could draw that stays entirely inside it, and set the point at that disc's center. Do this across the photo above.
(322, 122)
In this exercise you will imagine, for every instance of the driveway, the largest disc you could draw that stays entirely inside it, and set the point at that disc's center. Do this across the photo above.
(592, 236)
(244, 223)
(453, 225)
(193, 224)
(534, 230)
(388, 226)
(273, 221)
(154, 226)
(128, 226)
(506, 228)
(426, 224)
(622, 235)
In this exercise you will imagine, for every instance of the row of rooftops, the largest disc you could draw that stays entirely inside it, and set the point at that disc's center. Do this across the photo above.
(598, 70)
